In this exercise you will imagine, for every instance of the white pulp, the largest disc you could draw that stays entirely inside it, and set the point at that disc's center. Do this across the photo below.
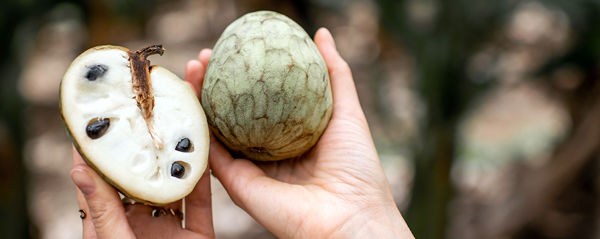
(126, 153)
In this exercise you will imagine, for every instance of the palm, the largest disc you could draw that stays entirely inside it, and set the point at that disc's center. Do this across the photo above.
(337, 168)
(323, 163)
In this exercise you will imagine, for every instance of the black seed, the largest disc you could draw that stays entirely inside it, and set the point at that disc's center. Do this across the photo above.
(97, 127)
(96, 71)
(177, 170)
(184, 145)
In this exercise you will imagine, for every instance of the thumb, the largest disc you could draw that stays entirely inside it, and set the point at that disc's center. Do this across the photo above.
(106, 208)
(345, 98)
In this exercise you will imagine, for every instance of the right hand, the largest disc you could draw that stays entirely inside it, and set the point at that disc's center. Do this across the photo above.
(338, 189)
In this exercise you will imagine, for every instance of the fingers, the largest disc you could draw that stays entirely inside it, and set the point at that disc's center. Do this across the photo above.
(198, 207)
(238, 176)
(194, 75)
(233, 174)
(345, 98)
(104, 205)
(204, 56)
(88, 226)
(264, 198)
(249, 187)
(195, 70)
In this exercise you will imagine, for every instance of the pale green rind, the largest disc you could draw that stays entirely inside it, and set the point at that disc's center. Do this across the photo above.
(266, 91)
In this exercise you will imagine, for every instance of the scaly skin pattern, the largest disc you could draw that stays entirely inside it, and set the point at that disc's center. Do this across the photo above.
(266, 91)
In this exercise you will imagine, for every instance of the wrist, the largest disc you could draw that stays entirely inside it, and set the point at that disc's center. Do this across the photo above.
(381, 222)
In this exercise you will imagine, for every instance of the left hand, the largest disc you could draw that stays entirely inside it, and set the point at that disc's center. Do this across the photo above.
(107, 217)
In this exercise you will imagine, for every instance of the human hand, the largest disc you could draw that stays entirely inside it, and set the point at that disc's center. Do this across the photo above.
(338, 189)
(105, 216)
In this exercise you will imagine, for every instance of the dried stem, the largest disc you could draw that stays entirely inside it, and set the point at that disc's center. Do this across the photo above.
(142, 86)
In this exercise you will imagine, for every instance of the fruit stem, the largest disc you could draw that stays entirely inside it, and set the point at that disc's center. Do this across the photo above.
(151, 50)
(142, 86)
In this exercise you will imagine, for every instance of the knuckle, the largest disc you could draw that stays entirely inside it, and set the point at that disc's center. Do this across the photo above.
(102, 213)
(341, 67)
(342, 64)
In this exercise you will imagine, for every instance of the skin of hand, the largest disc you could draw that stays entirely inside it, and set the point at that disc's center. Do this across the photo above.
(337, 190)
(107, 217)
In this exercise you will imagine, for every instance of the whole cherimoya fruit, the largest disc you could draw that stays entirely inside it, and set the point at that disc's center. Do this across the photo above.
(139, 126)
(266, 91)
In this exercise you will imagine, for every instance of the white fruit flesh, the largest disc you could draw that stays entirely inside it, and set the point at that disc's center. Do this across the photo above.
(126, 153)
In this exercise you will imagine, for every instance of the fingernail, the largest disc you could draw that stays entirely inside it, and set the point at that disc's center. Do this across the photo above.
(84, 182)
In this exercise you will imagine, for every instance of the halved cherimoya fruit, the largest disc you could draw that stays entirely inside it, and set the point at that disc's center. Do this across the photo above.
(139, 126)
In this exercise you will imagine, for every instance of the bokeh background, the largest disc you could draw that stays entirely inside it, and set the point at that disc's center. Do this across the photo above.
(485, 113)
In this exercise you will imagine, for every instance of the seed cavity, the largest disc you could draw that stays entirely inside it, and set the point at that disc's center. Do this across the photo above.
(177, 170)
(184, 145)
(96, 71)
(97, 127)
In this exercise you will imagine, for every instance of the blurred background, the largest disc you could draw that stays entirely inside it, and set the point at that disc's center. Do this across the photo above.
(485, 113)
